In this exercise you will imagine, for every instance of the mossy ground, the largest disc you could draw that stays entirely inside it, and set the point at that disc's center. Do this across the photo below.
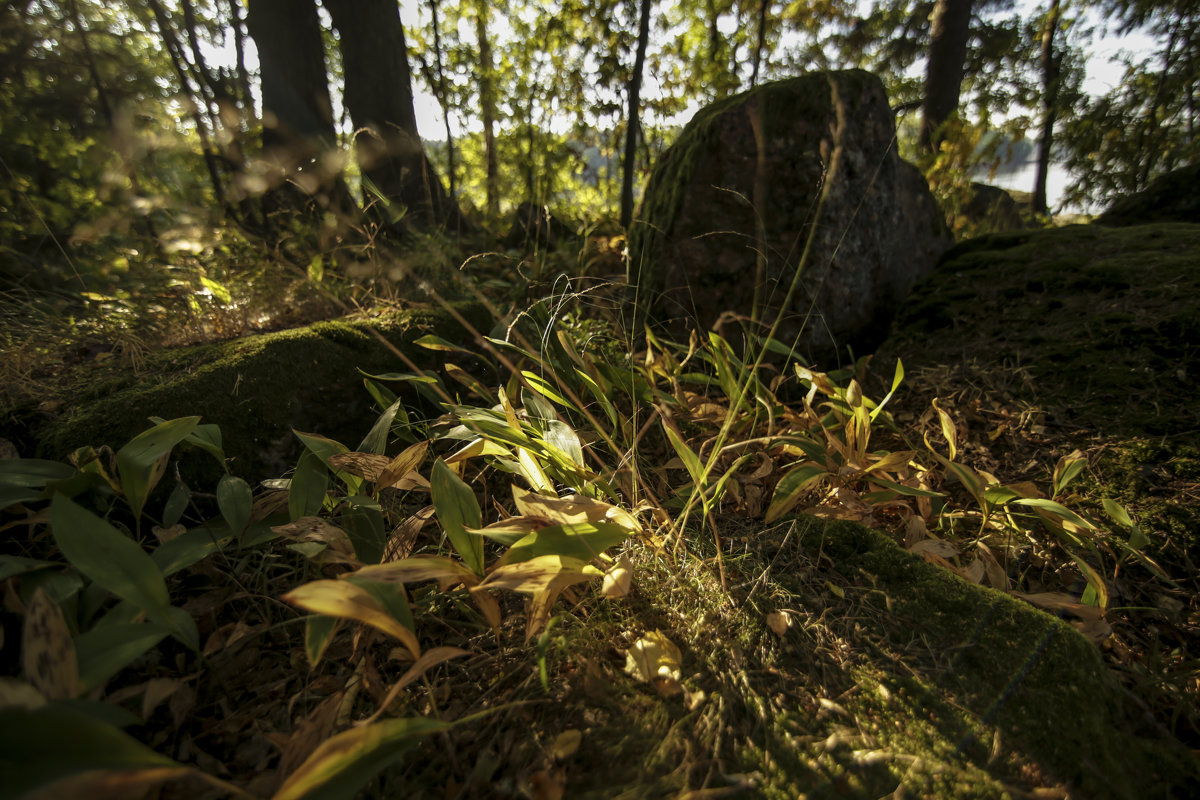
(1084, 337)
(256, 388)
(894, 677)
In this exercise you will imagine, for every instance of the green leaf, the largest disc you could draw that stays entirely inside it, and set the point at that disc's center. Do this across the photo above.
(32, 472)
(118, 564)
(1066, 470)
(176, 504)
(431, 342)
(105, 651)
(363, 523)
(310, 483)
(690, 460)
(791, 488)
(1058, 510)
(110, 558)
(207, 437)
(376, 439)
(54, 741)
(457, 509)
(1117, 513)
(325, 448)
(235, 499)
(318, 631)
(341, 766)
(583, 541)
(141, 462)
(392, 596)
(565, 440)
(187, 548)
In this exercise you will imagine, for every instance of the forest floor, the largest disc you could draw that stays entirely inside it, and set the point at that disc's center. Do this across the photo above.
(809, 656)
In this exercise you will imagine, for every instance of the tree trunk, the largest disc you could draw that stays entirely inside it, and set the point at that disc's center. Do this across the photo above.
(633, 117)
(378, 94)
(487, 106)
(444, 96)
(1050, 73)
(761, 42)
(944, 73)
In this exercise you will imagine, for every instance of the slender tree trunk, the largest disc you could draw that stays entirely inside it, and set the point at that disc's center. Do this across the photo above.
(239, 49)
(761, 42)
(944, 72)
(443, 98)
(487, 107)
(378, 94)
(1050, 74)
(633, 117)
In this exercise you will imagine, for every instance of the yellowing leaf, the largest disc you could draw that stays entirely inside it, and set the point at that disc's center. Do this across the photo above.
(403, 464)
(537, 573)
(934, 547)
(423, 664)
(446, 571)
(572, 509)
(618, 579)
(779, 622)
(48, 653)
(341, 765)
(347, 601)
(654, 656)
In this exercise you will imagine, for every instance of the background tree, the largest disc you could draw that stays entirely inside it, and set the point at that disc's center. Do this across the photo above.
(1147, 125)
(378, 94)
(633, 115)
(949, 34)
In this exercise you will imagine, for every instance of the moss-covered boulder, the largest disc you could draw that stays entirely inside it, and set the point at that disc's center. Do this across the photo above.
(256, 388)
(728, 211)
(1174, 197)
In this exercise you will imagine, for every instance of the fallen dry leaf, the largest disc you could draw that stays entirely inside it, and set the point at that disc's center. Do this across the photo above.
(48, 652)
(779, 622)
(653, 656)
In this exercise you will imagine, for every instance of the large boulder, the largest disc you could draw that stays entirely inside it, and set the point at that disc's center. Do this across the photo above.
(729, 208)
(1173, 197)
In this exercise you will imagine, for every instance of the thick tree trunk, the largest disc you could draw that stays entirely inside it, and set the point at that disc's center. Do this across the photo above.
(633, 118)
(943, 76)
(379, 97)
(297, 112)
(1050, 72)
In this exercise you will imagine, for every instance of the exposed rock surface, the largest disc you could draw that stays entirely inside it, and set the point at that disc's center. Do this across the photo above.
(743, 182)
(1174, 197)
(990, 209)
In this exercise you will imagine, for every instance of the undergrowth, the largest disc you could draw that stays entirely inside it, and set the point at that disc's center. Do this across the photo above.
(447, 577)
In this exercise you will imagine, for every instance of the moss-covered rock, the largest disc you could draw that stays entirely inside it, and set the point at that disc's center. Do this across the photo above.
(256, 388)
(1174, 197)
(728, 211)
(893, 677)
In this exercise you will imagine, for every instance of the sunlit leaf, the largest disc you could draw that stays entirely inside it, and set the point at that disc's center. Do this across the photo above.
(572, 509)
(347, 601)
(457, 510)
(654, 656)
(446, 571)
(537, 573)
(791, 489)
(583, 541)
(431, 342)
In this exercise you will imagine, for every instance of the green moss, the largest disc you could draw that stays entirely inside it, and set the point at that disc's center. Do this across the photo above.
(1105, 319)
(256, 388)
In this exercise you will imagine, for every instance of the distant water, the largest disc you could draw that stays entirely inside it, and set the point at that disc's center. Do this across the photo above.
(1021, 175)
